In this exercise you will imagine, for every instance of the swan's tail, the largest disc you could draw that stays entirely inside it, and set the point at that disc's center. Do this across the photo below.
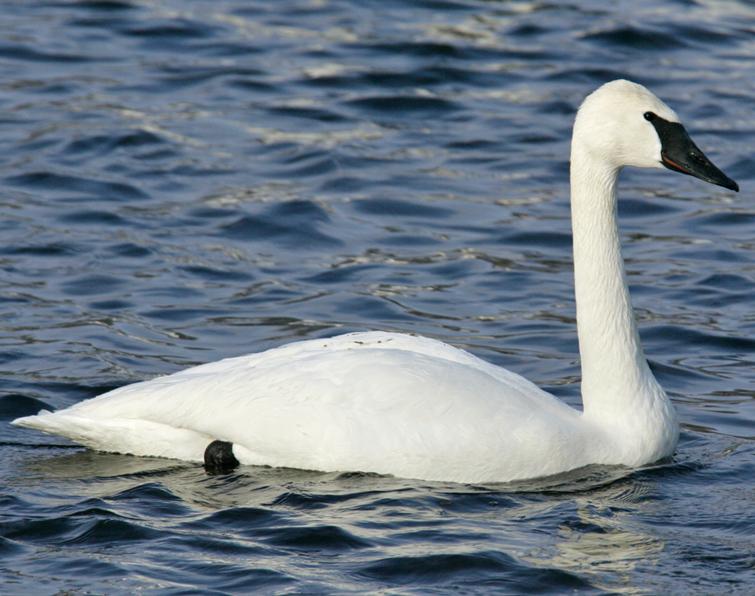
(121, 435)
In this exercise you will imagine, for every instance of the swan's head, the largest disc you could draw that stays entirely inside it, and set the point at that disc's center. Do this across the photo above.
(624, 124)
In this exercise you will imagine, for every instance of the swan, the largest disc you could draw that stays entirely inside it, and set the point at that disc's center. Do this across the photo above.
(414, 407)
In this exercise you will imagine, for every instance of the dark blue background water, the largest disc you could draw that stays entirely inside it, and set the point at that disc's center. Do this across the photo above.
(183, 181)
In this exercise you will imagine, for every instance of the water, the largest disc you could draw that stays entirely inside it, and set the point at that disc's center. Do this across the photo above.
(184, 181)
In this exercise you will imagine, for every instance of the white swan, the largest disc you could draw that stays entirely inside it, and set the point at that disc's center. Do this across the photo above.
(418, 408)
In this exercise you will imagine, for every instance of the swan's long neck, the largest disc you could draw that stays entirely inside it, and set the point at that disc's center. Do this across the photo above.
(616, 380)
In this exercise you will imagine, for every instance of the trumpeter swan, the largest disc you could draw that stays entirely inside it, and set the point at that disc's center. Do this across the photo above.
(418, 408)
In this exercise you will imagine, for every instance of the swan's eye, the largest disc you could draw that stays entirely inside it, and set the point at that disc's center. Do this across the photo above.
(649, 116)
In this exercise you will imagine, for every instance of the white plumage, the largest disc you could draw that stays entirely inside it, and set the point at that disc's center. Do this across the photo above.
(380, 402)
(415, 407)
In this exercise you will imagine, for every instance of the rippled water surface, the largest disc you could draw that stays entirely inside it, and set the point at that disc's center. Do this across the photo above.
(184, 181)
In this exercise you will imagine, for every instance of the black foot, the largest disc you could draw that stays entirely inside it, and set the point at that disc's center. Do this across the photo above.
(219, 458)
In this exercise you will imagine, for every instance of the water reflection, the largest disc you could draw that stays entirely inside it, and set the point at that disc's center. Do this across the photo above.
(606, 541)
(586, 522)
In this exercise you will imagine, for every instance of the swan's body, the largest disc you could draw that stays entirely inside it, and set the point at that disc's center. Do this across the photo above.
(418, 408)
(380, 402)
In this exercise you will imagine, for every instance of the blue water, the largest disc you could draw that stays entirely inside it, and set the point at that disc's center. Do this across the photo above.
(184, 181)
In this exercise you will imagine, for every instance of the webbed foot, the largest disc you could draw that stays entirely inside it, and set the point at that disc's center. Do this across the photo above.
(219, 458)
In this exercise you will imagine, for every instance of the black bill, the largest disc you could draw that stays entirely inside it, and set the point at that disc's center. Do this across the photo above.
(679, 153)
